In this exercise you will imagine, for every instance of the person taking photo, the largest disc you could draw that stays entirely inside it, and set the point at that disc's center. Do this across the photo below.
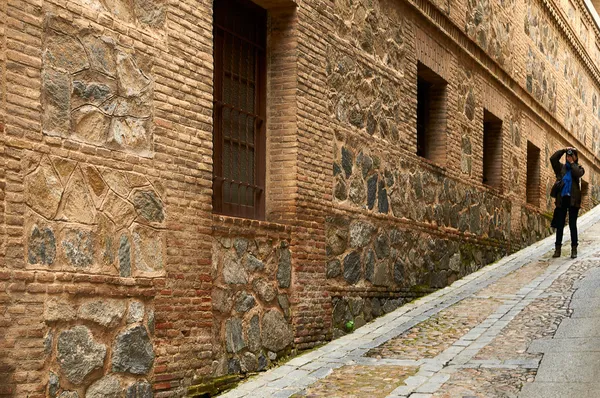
(568, 198)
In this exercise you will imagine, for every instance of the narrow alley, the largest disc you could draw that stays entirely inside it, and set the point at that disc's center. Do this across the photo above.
(525, 326)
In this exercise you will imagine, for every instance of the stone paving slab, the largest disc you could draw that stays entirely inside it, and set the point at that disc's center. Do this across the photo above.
(560, 390)
(569, 367)
(464, 339)
(565, 345)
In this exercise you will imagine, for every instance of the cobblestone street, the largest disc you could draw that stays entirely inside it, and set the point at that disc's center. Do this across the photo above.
(471, 339)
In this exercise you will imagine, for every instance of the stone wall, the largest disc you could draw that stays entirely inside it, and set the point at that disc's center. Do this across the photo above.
(107, 236)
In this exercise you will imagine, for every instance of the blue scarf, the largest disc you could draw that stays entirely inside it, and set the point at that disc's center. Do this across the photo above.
(568, 181)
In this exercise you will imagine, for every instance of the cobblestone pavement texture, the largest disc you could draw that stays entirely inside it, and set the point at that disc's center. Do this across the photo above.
(467, 340)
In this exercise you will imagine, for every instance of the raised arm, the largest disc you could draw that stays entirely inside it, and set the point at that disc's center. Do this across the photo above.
(555, 161)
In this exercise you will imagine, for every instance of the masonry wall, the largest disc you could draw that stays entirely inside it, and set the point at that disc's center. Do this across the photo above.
(108, 241)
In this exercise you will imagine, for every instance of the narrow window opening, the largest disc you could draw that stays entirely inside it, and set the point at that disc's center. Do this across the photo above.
(239, 114)
(533, 174)
(431, 115)
(492, 150)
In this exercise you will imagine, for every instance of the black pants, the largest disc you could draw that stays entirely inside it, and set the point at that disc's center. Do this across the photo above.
(561, 215)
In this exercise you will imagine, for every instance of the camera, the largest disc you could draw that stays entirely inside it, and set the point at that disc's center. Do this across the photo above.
(570, 152)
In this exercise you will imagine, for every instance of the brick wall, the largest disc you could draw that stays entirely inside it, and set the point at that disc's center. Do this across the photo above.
(106, 153)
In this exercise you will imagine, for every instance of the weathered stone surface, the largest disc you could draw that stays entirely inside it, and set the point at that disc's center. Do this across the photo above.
(382, 199)
(249, 363)
(381, 274)
(130, 132)
(222, 300)
(244, 302)
(150, 12)
(53, 385)
(369, 260)
(357, 192)
(120, 211)
(371, 191)
(140, 389)
(391, 305)
(253, 334)
(43, 189)
(360, 233)
(336, 239)
(42, 246)
(151, 321)
(284, 268)
(90, 124)
(352, 269)
(101, 54)
(148, 245)
(59, 310)
(92, 88)
(106, 387)
(124, 256)
(98, 188)
(233, 272)
(341, 313)
(64, 53)
(117, 181)
(56, 90)
(69, 394)
(252, 263)
(233, 366)
(284, 303)
(78, 247)
(262, 362)
(347, 161)
(148, 205)
(276, 334)
(132, 81)
(399, 272)
(264, 289)
(48, 341)
(105, 312)
(340, 190)
(64, 167)
(376, 307)
(234, 340)
(334, 269)
(78, 354)
(133, 352)
(240, 245)
(135, 312)
(77, 204)
(382, 246)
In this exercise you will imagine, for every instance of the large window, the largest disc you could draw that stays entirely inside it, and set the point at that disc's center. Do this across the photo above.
(239, 114)
(431, 115)
(492, 150)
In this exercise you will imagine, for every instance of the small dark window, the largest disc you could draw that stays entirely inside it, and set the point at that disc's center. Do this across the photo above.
(239, 108)
(533, 174)
(431, 115)
(492, 150)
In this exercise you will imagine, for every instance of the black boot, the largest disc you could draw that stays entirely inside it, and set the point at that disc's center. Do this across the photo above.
(573, 251)
(556, 251)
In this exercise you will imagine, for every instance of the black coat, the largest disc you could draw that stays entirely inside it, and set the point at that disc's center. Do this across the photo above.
(577, 171)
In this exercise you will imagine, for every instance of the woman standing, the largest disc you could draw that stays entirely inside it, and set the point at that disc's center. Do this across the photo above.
(568, 200)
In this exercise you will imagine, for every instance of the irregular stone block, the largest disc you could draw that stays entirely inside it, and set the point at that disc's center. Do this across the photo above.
(130, 132)
(133, 352)
(233, 272)
(275, 334)
(357, 192)
(369, 260)
(105, 312)
(117, 181)
(148, 205)
(78, 354)
(98, 188)
(69, 394)
(64, 53)
(107, 387)
(140, 389)
(284, 303)
(53, 385)
(43, 189)
(78, 247)
(132, 81)
(252, 263)
(284, 267)
(41, 247)
(262, 362)
(77, 204)
(56, 94)
(253, 334)
(90, 124)
(334, 269)
(120, 211)
(151, 321)
(382, 246)
(124, 256)
(336, 239)
(372, 191)
(249, 363)
(360, 233)
(347, 161)
(233, 366)
(148, 249)
(222, 300)
(352, 268)
(92, 88)
(240, 245)
(101, 54)
(245, 302)
(233, 335)
(58, 310)
(135, 312)
(264, 289)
